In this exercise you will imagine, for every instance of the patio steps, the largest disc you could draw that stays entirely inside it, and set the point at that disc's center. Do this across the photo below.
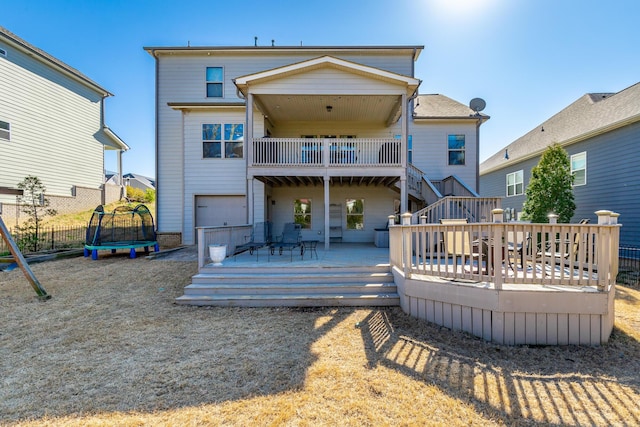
(300, 287)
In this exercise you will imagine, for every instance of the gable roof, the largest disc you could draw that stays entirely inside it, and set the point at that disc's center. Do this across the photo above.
(51, 61)
(144, 180)
(591, 115)
(323, 62)
(113, 141)
(439, 107)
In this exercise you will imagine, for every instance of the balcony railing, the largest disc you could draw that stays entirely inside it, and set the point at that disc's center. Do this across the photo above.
(519, 253)
(328, 152)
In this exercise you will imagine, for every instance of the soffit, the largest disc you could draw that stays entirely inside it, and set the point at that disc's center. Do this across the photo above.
(371, 108)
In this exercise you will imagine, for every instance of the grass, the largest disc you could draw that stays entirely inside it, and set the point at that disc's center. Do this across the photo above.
(111, 348)
(81, 219)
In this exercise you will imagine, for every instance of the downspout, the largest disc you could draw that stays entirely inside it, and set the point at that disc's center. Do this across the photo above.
(405, 178)
(157, 162)
(248, 145)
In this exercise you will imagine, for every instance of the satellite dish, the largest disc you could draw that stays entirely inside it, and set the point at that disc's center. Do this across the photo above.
(477, 104)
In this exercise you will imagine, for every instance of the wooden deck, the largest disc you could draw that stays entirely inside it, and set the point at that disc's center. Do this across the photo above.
(529, 300)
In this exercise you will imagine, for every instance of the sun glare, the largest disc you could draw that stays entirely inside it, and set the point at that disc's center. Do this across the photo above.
(461, 8)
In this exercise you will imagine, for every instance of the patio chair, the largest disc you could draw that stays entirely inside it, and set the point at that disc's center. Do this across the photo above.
(517, 246)
(563, 251)
(260, 237)
(458, 244)
(290, 240)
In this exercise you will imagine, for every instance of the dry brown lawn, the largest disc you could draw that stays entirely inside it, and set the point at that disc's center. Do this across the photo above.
(111, 348)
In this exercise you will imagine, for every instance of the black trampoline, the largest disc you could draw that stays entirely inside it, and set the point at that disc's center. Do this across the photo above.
(125, 227)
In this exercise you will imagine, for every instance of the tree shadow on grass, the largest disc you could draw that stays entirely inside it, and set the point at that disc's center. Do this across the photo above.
(117, 346)
(554, 385)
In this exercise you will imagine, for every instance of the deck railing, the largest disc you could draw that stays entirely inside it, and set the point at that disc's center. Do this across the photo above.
(326, 152)
(549, 254)
(230, 236)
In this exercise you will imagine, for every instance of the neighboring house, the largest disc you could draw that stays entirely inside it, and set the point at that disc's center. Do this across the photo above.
(52, 126)
(334, 138)
(601, 134)
(140, 182)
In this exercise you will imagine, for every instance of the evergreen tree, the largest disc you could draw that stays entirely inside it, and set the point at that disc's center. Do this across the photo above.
(550, 189)
(36, 206)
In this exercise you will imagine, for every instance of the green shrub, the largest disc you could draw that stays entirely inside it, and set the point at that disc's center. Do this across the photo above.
(150, 195)
(135, 195)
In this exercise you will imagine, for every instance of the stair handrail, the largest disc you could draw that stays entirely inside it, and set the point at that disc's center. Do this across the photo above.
(474, 209)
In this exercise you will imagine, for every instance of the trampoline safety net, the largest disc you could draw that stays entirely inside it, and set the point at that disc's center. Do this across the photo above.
(124, 225)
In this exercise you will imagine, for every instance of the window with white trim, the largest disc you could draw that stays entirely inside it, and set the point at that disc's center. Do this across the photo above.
(456, 149)
(515, 183)
(5, 130)
(222, 141)
(3, 52)
(355, 214)
(214, 78)
(302, 212)
(579, 168)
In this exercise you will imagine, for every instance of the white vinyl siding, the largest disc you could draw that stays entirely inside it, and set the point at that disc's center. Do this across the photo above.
(579, 168)
(208, 176)
(328, 81)
(54, 122)
(430, 153)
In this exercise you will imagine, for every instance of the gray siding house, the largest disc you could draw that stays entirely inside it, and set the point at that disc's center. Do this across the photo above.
(52, 126)
(601, 133)
(334, 138)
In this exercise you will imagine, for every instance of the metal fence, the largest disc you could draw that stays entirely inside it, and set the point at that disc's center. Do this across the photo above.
(629, 269)
(49, 238)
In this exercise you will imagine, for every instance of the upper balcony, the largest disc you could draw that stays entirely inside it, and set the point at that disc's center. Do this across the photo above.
(377, 160)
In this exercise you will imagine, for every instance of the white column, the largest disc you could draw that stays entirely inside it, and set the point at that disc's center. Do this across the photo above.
(122, 191)
(327, 223)
(248, 154)
(404, 125)
(404, 196)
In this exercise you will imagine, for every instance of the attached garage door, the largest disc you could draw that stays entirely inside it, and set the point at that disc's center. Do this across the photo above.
(221, 210)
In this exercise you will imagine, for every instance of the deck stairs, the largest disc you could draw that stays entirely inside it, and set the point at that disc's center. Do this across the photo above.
(296, 286)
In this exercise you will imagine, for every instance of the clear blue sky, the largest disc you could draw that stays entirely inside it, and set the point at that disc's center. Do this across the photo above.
(527, 58)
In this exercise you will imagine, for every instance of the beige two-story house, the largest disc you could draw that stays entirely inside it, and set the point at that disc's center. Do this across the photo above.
(333, 138)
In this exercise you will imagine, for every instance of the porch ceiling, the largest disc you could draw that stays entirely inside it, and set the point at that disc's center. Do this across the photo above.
(297, 181)
(369, 108)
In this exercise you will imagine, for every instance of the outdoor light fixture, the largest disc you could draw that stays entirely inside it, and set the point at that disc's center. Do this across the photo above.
(506, 154)
(329, 108)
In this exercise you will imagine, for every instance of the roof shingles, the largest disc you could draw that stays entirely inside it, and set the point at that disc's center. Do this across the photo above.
(590, 114)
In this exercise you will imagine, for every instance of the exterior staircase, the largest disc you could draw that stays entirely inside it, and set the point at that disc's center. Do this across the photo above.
(299, 286)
